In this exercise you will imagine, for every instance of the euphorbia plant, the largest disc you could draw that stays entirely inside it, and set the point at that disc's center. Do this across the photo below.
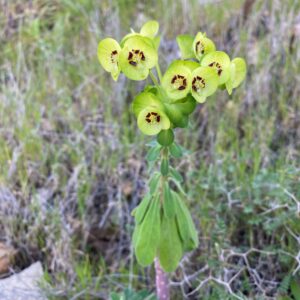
(164, 229)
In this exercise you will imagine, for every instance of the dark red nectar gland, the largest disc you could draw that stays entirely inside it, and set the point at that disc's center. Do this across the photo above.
(217, 66)
(200, 47)
(152, 117)
(198, 83)
(113, 56)
(135, 56)
(179, 82)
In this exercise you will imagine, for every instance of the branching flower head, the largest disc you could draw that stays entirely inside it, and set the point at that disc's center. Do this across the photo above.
(108, 55)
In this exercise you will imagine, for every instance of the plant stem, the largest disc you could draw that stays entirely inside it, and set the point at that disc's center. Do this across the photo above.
(153, 78)
(158, 72)
(162, 282)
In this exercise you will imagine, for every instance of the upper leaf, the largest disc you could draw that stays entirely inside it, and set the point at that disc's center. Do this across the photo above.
(150, 29)
(185, 44)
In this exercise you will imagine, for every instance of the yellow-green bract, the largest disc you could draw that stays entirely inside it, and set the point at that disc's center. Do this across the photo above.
(177, 80)
(204, 83)
(202, 45)
(219, 61)
(108, 55)
(238, 69)
(137, 57)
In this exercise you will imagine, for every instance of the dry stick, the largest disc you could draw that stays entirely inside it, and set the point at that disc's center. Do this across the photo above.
(162, 282)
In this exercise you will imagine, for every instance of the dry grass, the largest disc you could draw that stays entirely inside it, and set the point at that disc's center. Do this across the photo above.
(72, 164)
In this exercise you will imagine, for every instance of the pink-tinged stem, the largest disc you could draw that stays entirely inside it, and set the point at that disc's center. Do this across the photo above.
(162, 283)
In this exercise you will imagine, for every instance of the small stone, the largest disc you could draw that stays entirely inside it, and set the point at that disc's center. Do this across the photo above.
(24, 285)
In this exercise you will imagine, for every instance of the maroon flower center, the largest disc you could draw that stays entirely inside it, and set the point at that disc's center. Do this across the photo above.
(179, 82)
(153, 117)
(114, 56)
(198, 83)
(217, 66)
(200, 48)
(135, 56)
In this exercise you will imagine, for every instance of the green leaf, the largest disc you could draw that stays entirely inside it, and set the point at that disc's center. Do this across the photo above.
(165, 137)
(136, 234)
(153, 153)
(142, 208)
(295, 287)
(115, 296)
(164, 167)
(156, 42)
(186, 227)
(186, 105)
(185, 44)
(153, 183)
(149, 235)
(168, 202)
(175, 150)
(177, 118)
(176, 175)
(150, 29)
(170, 247)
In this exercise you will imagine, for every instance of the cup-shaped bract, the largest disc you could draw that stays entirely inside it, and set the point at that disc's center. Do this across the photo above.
(202, 45)
(204, 83)
(177, 80)
(220, 62)
(145, 99)
(150, 29)
(151, 120)
(238, 69)
(108, 55)
(185, 44)
(137, 57)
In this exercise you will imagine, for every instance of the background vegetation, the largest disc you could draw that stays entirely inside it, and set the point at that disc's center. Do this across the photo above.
(72, 161)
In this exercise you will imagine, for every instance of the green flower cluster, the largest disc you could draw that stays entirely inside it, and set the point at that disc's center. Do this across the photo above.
(134, 56)
(168, 104)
